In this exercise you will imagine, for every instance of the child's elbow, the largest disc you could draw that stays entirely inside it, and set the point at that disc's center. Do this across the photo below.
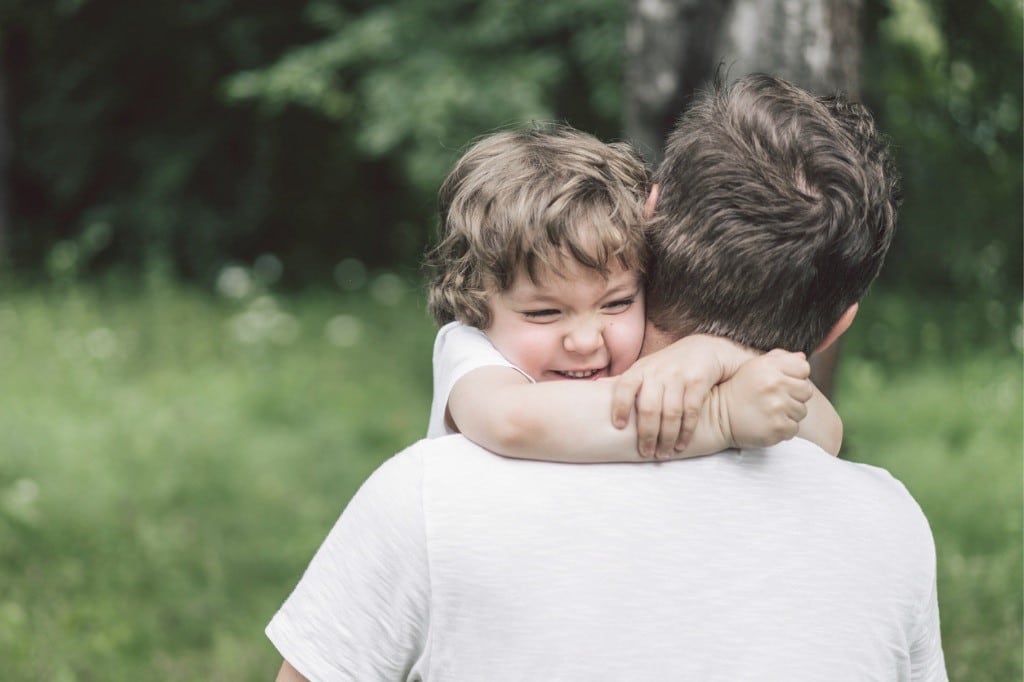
(834, 439)
(511, 434)
(502, 431)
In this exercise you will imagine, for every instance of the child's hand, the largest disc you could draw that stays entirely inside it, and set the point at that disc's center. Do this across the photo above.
(668, 388)
(767, 397)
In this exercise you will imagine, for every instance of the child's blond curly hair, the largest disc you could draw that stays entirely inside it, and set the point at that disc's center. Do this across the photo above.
(523, 200)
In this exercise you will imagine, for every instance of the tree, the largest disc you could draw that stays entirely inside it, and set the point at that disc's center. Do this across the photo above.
(674, 47)
(5, 153)
(410, 83)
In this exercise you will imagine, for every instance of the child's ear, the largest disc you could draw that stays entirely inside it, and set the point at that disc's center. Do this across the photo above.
(652, 201)
(844, 322)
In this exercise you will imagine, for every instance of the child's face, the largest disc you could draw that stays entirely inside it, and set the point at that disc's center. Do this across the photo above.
(570, 324)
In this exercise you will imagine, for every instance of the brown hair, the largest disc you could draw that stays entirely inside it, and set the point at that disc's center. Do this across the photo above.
(775, 213)
(522, 200)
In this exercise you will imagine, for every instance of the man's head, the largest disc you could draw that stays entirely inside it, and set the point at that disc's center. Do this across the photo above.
(775, 209)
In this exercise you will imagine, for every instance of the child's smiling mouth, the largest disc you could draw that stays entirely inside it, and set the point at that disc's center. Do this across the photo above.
(579, 373)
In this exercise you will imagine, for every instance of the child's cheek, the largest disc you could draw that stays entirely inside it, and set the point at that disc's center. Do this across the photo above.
(537, 346)
(528, 347)
(625, 337)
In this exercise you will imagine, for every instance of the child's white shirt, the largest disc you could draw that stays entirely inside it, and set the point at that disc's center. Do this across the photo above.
(458, 350)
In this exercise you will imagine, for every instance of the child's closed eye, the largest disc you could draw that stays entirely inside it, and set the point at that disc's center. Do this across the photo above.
(619, 305)
(544, 315)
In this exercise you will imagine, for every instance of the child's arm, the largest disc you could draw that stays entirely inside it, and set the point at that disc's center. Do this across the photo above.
(668, 389)
(669, 382)
(762, 404)
(823, 425)
(568, 421)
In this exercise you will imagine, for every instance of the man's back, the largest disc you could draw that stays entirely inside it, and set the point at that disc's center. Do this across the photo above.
(770, 564)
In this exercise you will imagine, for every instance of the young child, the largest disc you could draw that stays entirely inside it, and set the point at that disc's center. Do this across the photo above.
(538, 283)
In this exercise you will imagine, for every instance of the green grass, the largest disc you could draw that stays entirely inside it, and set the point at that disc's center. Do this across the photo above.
(162, 483)
(169, 461)
(952, 433)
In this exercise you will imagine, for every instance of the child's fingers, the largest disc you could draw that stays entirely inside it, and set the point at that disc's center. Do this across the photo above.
(792, 413)
(784, 424)
(788, 430)
(792, 364)
(671, 423)
(796, 410)
(693, 400)
(802, 390)
(623, 396)
(648, 418)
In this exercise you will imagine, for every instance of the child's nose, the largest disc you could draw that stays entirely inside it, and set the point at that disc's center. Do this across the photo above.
(584, 338)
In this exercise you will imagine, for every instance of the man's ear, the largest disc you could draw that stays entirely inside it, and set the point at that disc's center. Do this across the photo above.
(652, 201)
(844, 322)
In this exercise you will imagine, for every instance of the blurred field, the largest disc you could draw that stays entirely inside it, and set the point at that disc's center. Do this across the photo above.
(170, 461)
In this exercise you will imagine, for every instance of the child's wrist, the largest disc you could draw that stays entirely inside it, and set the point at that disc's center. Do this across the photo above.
(718, 409)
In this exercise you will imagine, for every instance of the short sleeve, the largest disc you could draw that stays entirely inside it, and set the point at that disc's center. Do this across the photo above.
(458, 350)
(362, 609)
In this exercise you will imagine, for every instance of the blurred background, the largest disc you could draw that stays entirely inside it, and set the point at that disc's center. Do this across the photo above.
(212, 216)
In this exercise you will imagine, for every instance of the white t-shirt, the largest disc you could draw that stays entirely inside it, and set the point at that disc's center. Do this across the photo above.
(451, 563)
(458, 350)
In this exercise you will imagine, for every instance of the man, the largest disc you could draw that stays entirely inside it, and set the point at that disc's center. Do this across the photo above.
(774, 212)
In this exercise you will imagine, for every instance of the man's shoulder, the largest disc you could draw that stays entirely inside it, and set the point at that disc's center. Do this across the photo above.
(851, 482)
(454, 445)
(432, 453)
(809, 454)
(877, 478)
(398, 493)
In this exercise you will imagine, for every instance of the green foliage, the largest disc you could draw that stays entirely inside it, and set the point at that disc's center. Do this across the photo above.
(127, 157)
(170, 128)
(416, 81)
(945, 77)
(172, 460)
(184, 136)
(893, 330)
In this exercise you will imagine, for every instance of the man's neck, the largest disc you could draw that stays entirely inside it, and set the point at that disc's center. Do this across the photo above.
(655, 339)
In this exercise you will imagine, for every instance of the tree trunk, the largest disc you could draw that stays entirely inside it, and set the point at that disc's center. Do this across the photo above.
(674, 47)
(5, 155)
